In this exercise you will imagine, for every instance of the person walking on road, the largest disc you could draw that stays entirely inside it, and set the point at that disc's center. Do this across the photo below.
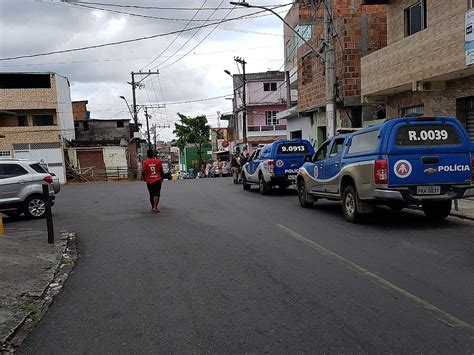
(153, 175)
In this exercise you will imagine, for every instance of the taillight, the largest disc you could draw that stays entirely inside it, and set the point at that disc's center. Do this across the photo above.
(271, 167)
(472, 170)
(381, 172)
(48, 179)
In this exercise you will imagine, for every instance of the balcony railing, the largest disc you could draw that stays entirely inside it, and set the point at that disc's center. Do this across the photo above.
(266, 130)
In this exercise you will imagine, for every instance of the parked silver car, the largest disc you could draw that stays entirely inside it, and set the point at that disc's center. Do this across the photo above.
(21, 188)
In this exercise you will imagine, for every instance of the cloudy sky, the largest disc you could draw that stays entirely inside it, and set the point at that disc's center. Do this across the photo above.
(191, 63)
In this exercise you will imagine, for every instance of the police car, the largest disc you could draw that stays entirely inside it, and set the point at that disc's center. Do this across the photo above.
(275, 164)
(424, 161)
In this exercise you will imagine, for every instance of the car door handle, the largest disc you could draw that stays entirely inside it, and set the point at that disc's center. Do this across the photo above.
(336, 164)
(22, 181)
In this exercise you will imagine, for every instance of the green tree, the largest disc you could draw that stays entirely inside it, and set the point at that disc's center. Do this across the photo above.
(193, 130)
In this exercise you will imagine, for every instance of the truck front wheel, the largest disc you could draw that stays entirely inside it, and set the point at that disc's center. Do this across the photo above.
(437, 210)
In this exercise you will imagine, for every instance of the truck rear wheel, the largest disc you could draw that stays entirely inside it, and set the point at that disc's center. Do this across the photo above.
(437, 210)
(263, 187)
(245, 185)
(303, 195)
(350, 204)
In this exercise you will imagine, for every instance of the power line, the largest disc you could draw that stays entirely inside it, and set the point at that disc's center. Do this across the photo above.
(189, 39)
(122, 41)
(152, 7)
(202, 40)
(179, 34)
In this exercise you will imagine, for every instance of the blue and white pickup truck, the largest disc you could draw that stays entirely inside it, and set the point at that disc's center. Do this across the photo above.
(425, 161)
(274, 164)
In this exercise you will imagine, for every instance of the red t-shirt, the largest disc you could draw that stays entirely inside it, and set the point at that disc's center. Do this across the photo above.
(152, 169)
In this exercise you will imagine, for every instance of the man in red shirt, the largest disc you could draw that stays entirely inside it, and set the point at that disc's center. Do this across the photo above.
(153, 175)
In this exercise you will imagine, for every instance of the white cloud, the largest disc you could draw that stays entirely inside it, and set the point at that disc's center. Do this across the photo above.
(101, 75)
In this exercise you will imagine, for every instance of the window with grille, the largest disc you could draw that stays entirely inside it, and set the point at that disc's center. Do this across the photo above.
(270, 118)
(5, 153)
(415, 18)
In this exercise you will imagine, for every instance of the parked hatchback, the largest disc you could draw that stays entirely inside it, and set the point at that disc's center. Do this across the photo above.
(21, 188)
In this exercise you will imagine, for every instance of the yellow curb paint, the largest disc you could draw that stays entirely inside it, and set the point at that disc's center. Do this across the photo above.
(2, 230)
(441, 315)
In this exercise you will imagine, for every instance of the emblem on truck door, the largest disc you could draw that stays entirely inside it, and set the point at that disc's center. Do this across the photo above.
(402, 168)
(431, 171)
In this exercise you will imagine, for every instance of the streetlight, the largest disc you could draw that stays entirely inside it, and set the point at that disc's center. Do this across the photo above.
(246, 4)
(242, 62)
(128, 106)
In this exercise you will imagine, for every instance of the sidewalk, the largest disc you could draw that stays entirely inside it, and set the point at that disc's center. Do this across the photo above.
(28, 266)
(465, 208)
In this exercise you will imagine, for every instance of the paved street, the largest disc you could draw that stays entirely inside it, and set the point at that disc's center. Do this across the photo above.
(224, 270)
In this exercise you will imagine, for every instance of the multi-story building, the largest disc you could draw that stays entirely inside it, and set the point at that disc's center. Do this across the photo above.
(360, 30)
(265, 97)
(427, 66)
(36, 118)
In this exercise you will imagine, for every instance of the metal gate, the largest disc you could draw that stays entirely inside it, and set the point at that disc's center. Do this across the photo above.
(49, 154)
(470, 119)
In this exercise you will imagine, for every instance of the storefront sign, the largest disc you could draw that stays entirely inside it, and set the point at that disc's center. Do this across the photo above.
(469, 42)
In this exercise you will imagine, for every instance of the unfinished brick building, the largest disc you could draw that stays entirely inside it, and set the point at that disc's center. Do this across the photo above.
(360, 30)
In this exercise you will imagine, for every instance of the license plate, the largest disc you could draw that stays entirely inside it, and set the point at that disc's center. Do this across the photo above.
(291, 177)
(428, 190)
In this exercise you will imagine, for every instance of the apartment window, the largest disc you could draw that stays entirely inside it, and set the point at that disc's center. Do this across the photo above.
(415, 18)
(76, 124)
(22, 121)
(43, 120)
(269, 86)
(271, 118)
(470, 4)
(120, 124)
(5, 153)
(86, 126)
(413, 111)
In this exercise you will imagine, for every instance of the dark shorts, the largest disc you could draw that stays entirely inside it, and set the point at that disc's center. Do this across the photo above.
(154, 189)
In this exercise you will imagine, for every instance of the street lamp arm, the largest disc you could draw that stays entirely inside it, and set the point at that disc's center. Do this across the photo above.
(246, 4)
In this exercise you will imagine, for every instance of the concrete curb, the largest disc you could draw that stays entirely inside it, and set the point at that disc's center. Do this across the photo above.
(43, 299)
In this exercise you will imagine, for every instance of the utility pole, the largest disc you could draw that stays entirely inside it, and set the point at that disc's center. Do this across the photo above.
(244, 99)
(154, 135)
(288, 89)
(134, 86)
(330, 59)
(147, 127)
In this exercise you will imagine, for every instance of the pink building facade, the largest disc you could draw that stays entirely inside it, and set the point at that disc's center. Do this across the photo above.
(266, 96)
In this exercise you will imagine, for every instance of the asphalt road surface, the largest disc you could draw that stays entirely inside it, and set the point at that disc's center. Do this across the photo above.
(222, 270)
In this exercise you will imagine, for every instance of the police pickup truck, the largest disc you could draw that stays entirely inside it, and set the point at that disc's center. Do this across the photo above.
(424, 161)
(274, 164)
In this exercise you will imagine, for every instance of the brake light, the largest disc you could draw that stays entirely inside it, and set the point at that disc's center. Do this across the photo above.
(381, 172)
(472, 170)
(48, 179)
(271, 167)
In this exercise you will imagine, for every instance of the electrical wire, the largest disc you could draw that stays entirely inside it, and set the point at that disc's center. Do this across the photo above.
(189, 39)
(109, 44)
(174, 40)
(200, 42)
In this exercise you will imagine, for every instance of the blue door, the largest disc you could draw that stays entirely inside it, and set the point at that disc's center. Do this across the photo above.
(332, 166)
(253, 165)
(317, 169)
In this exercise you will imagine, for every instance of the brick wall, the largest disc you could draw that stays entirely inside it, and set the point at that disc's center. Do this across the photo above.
(24, 99)
(429, 54)
(38, 134)
(361, 30)
(79, 110)
(436, 103)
